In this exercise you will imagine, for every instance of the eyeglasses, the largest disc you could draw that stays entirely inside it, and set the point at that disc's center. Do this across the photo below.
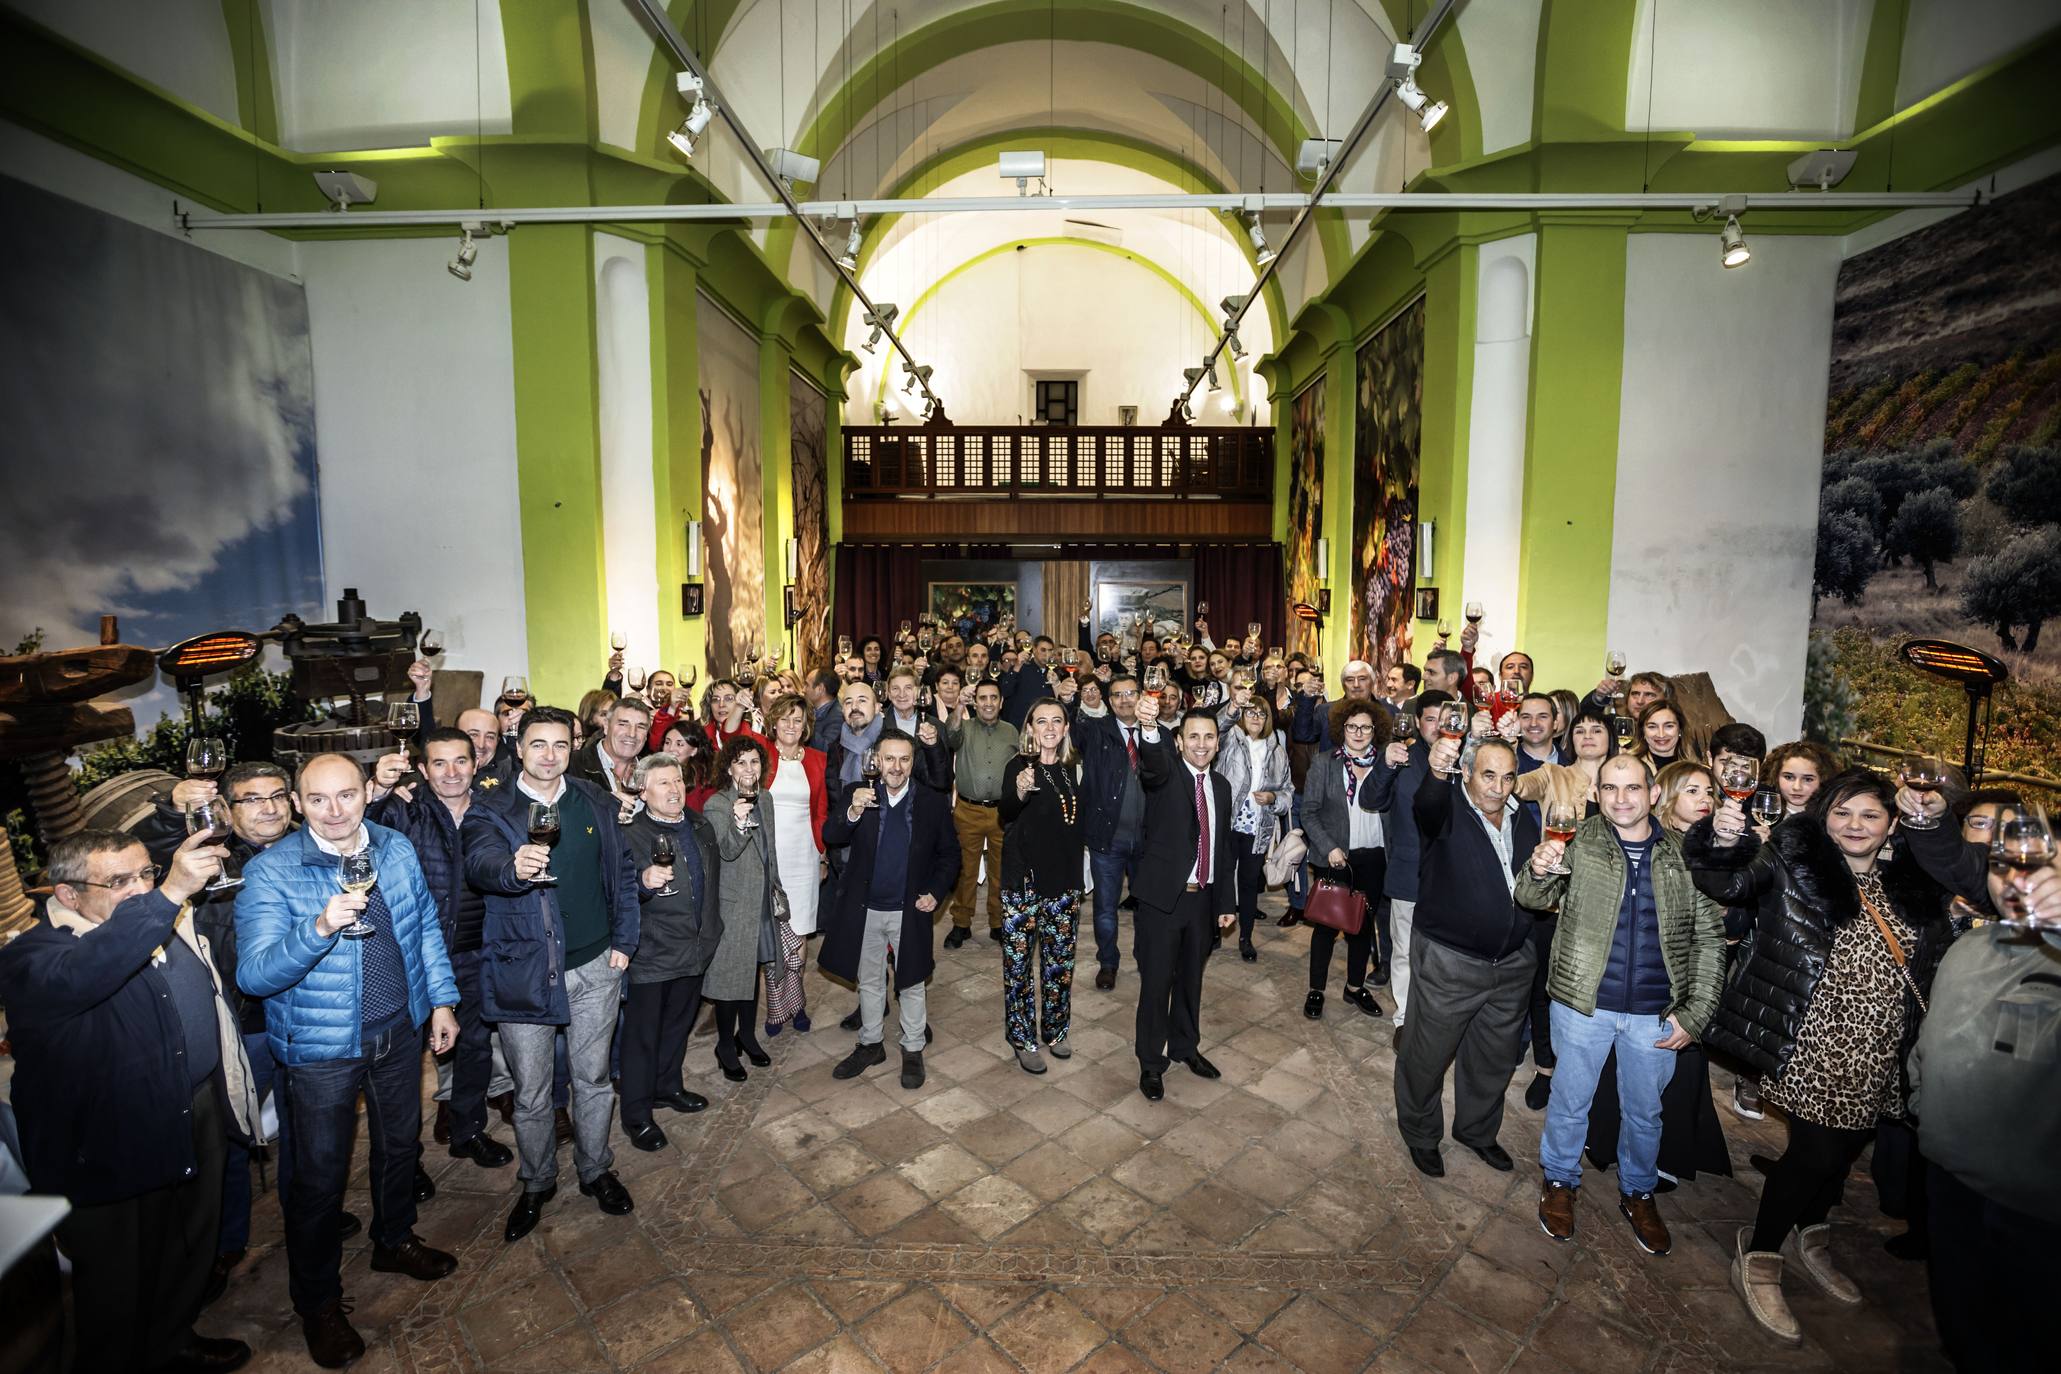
(1359, 729)
(269, 799)
(146, 874)
(1255, 715)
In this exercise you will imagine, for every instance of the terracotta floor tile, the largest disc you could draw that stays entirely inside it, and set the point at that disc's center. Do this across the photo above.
(998, 1138)
(1101, 1142)
(1440, 1338)
(1105, 1209)
(1245, 1309)
(1573, 1337)
(1317, 1339)
(569, 1347)
(1222, 1214)
(506, 1321)
(981, 1357)
(647, 1321)
(775, 1328)
(915, 1331)
(760, 1202)
(840, 1356)
(1495, 1295)
(879, 1203)
(989, 1206)
(834, 1168)
(852, 1299)
(705, 1352)
(942, 1170)
(1048, 1334)
(1051, 1110)
(898, 1136)
(983, 1304)
(1177, 1334)
(1157, 1173)
(1048, 1172)
(1113, 1304)
(952, 1108)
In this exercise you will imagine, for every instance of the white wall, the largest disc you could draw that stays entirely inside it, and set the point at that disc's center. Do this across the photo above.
(181, 45)
(629, 520)
(415, 436)
(1056, 309)
(1747, 68)
(1497, 418)
(1502, 39)
(1945, 40)
(1720, 441)
(386, 73)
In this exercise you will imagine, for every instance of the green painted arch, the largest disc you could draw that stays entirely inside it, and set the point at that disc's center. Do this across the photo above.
(1115, 149)
(1180, 288)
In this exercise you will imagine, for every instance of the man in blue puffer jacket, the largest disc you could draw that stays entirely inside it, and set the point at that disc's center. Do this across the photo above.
(345, 1015)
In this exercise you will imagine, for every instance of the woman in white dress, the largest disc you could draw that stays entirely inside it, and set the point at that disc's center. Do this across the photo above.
(800, 796)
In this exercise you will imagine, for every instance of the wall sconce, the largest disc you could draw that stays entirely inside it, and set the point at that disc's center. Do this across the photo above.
(694, 548)
(1323, 559)
(1427, 533)
(793, 560)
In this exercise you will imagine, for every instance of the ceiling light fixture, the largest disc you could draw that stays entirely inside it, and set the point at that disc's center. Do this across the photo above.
(468, 253)
(790, 167)
(882, 318)
(849, 259)
(1209, 372)
(1315, 155)
(1732, 248)
(918, 377)
(1402, 69)
(1262, 254)
(1232, 305)
(699, 113)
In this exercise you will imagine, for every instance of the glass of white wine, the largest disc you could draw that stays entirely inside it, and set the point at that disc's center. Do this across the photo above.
(359, 874)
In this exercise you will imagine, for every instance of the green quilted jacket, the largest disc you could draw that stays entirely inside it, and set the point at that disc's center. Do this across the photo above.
(1692, 927)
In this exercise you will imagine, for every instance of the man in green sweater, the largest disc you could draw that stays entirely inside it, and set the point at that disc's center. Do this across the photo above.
(1636, 965)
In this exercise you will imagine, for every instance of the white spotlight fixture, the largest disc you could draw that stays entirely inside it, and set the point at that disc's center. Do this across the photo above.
(882, 318)
(791, 166)
(344, 189)
(849, 259)
(468, 253)
(918, 377)
(1022, 168)
(1402, 69)
(1732, 249)
(691, 128)
(1262, 254)
(1315, 155)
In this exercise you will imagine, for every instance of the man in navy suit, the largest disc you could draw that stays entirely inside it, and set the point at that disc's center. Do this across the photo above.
(1184, 879)
(1113, 799)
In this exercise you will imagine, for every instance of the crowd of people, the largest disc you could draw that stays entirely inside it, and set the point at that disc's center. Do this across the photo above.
(546, 898)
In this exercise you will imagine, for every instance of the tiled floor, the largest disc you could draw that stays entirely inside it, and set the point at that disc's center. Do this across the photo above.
(996, 1221)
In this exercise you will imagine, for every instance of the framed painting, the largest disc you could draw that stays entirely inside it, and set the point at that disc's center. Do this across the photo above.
(1124, 608)
(970, 608)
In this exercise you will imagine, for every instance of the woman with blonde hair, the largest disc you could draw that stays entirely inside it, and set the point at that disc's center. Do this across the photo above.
(799, 791)
(1688, 793)
(1043, 862)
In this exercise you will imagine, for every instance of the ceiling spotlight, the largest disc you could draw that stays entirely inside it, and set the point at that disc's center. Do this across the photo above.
(1191, 375)
(881, 317)
(1732, 249)
(849, 259)
(1232, 305)
(790, 166)
(1209, 371)
(1402, 69)
(918, 376)
(1261, 253)
(1315, 155)
(691, 128)
(468, 253)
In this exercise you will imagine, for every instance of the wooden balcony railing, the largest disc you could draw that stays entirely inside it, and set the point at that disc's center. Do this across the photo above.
(1033, 461)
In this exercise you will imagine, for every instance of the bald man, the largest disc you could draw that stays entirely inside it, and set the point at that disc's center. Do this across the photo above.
(489, 759)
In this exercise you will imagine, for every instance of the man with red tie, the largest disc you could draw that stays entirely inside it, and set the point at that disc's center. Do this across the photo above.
(1185, 885)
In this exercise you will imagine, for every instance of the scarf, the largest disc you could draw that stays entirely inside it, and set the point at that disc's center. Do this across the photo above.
(1346, 765)
(856, 743)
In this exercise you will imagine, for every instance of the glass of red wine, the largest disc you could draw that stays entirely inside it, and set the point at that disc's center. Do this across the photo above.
(1922, 774)
(2024, 845)
(1560, 823)
(663, 856)
(1739, 781)
(212, 815)
(543, 822)
(206, 757)
(1452, 725)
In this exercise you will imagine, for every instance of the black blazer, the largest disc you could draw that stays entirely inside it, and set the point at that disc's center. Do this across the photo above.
(1167, 848)
(933, 869)
(1105, 772)
(1462, 901)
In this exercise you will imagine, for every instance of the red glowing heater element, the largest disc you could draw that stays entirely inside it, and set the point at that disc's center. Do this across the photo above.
(208, 654)
(1978, 675)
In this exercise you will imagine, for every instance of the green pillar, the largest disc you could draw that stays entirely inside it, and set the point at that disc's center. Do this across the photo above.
(676, 445)
(1570, 476)
(776, 474)
(1448, 382)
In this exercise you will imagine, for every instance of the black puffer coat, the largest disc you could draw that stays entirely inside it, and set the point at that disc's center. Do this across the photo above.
(1800, 891)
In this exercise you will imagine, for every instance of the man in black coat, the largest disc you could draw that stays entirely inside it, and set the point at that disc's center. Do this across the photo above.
(1471, 956)
(1185, 876)
(1113, 798)
(129, 1078)
(903, 858)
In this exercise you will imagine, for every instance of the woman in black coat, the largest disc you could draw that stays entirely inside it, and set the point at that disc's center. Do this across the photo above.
(1850, 921)
(1043, 878)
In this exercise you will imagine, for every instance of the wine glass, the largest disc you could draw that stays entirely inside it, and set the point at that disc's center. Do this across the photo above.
(1445, 628)
(663, 856)
(206, 757)
(1202, 610)
(905, 630)
(750, 820)
(1560, 823)
(1404, 730)
(515, 685)
(636, 677)
(2024, 845)
(1921, 773)
(358, 873)
(543, 828)
(212, 815)
(618, 641)
(403, 719)
(844, 646)
(1473, 612)
(1253, 631)
(1070, 659)
(1614, 663)
(1623, 728)
(1768, 806)
(431, 645)
(1738, 780)
(1028, 747)
(1452, 725)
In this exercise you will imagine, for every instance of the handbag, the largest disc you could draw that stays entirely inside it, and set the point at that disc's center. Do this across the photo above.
(1896, 952)
(1337, 905)
(1284, 860)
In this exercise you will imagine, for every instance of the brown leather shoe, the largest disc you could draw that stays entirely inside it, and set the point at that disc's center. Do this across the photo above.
(442, 1130)
(413, 1258)
(561, 1121)
(1556, 1209)
(332, 1341)
(1647, 1227)
(504, 1107)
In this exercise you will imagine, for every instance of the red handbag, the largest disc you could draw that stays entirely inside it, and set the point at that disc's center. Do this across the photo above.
(1337, 905)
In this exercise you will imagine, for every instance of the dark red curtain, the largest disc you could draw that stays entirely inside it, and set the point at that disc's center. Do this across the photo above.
(877, 589)
(1241, 583)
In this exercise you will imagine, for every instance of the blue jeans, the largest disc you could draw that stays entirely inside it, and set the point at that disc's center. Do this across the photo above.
(1110, 867)
(323, 1098)
(1581, 1044)
(236, 1195)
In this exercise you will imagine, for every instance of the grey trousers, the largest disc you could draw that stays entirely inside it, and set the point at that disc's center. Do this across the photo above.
(446, 1062)
(884, 928)
(1468, 1011)
(592, 991)
(1402, 917)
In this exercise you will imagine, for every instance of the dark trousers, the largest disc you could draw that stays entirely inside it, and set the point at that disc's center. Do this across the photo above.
(323, 1098)
(1469, 1014)
(236, 1188)
(1251, 868)
(1171, 948)
(139, 1266)
(1541, 1005)
(1805, 1184)
(1982, 1254)
(654, 1040)
(472, 1061)
(1365, 869)
(1109, 868)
